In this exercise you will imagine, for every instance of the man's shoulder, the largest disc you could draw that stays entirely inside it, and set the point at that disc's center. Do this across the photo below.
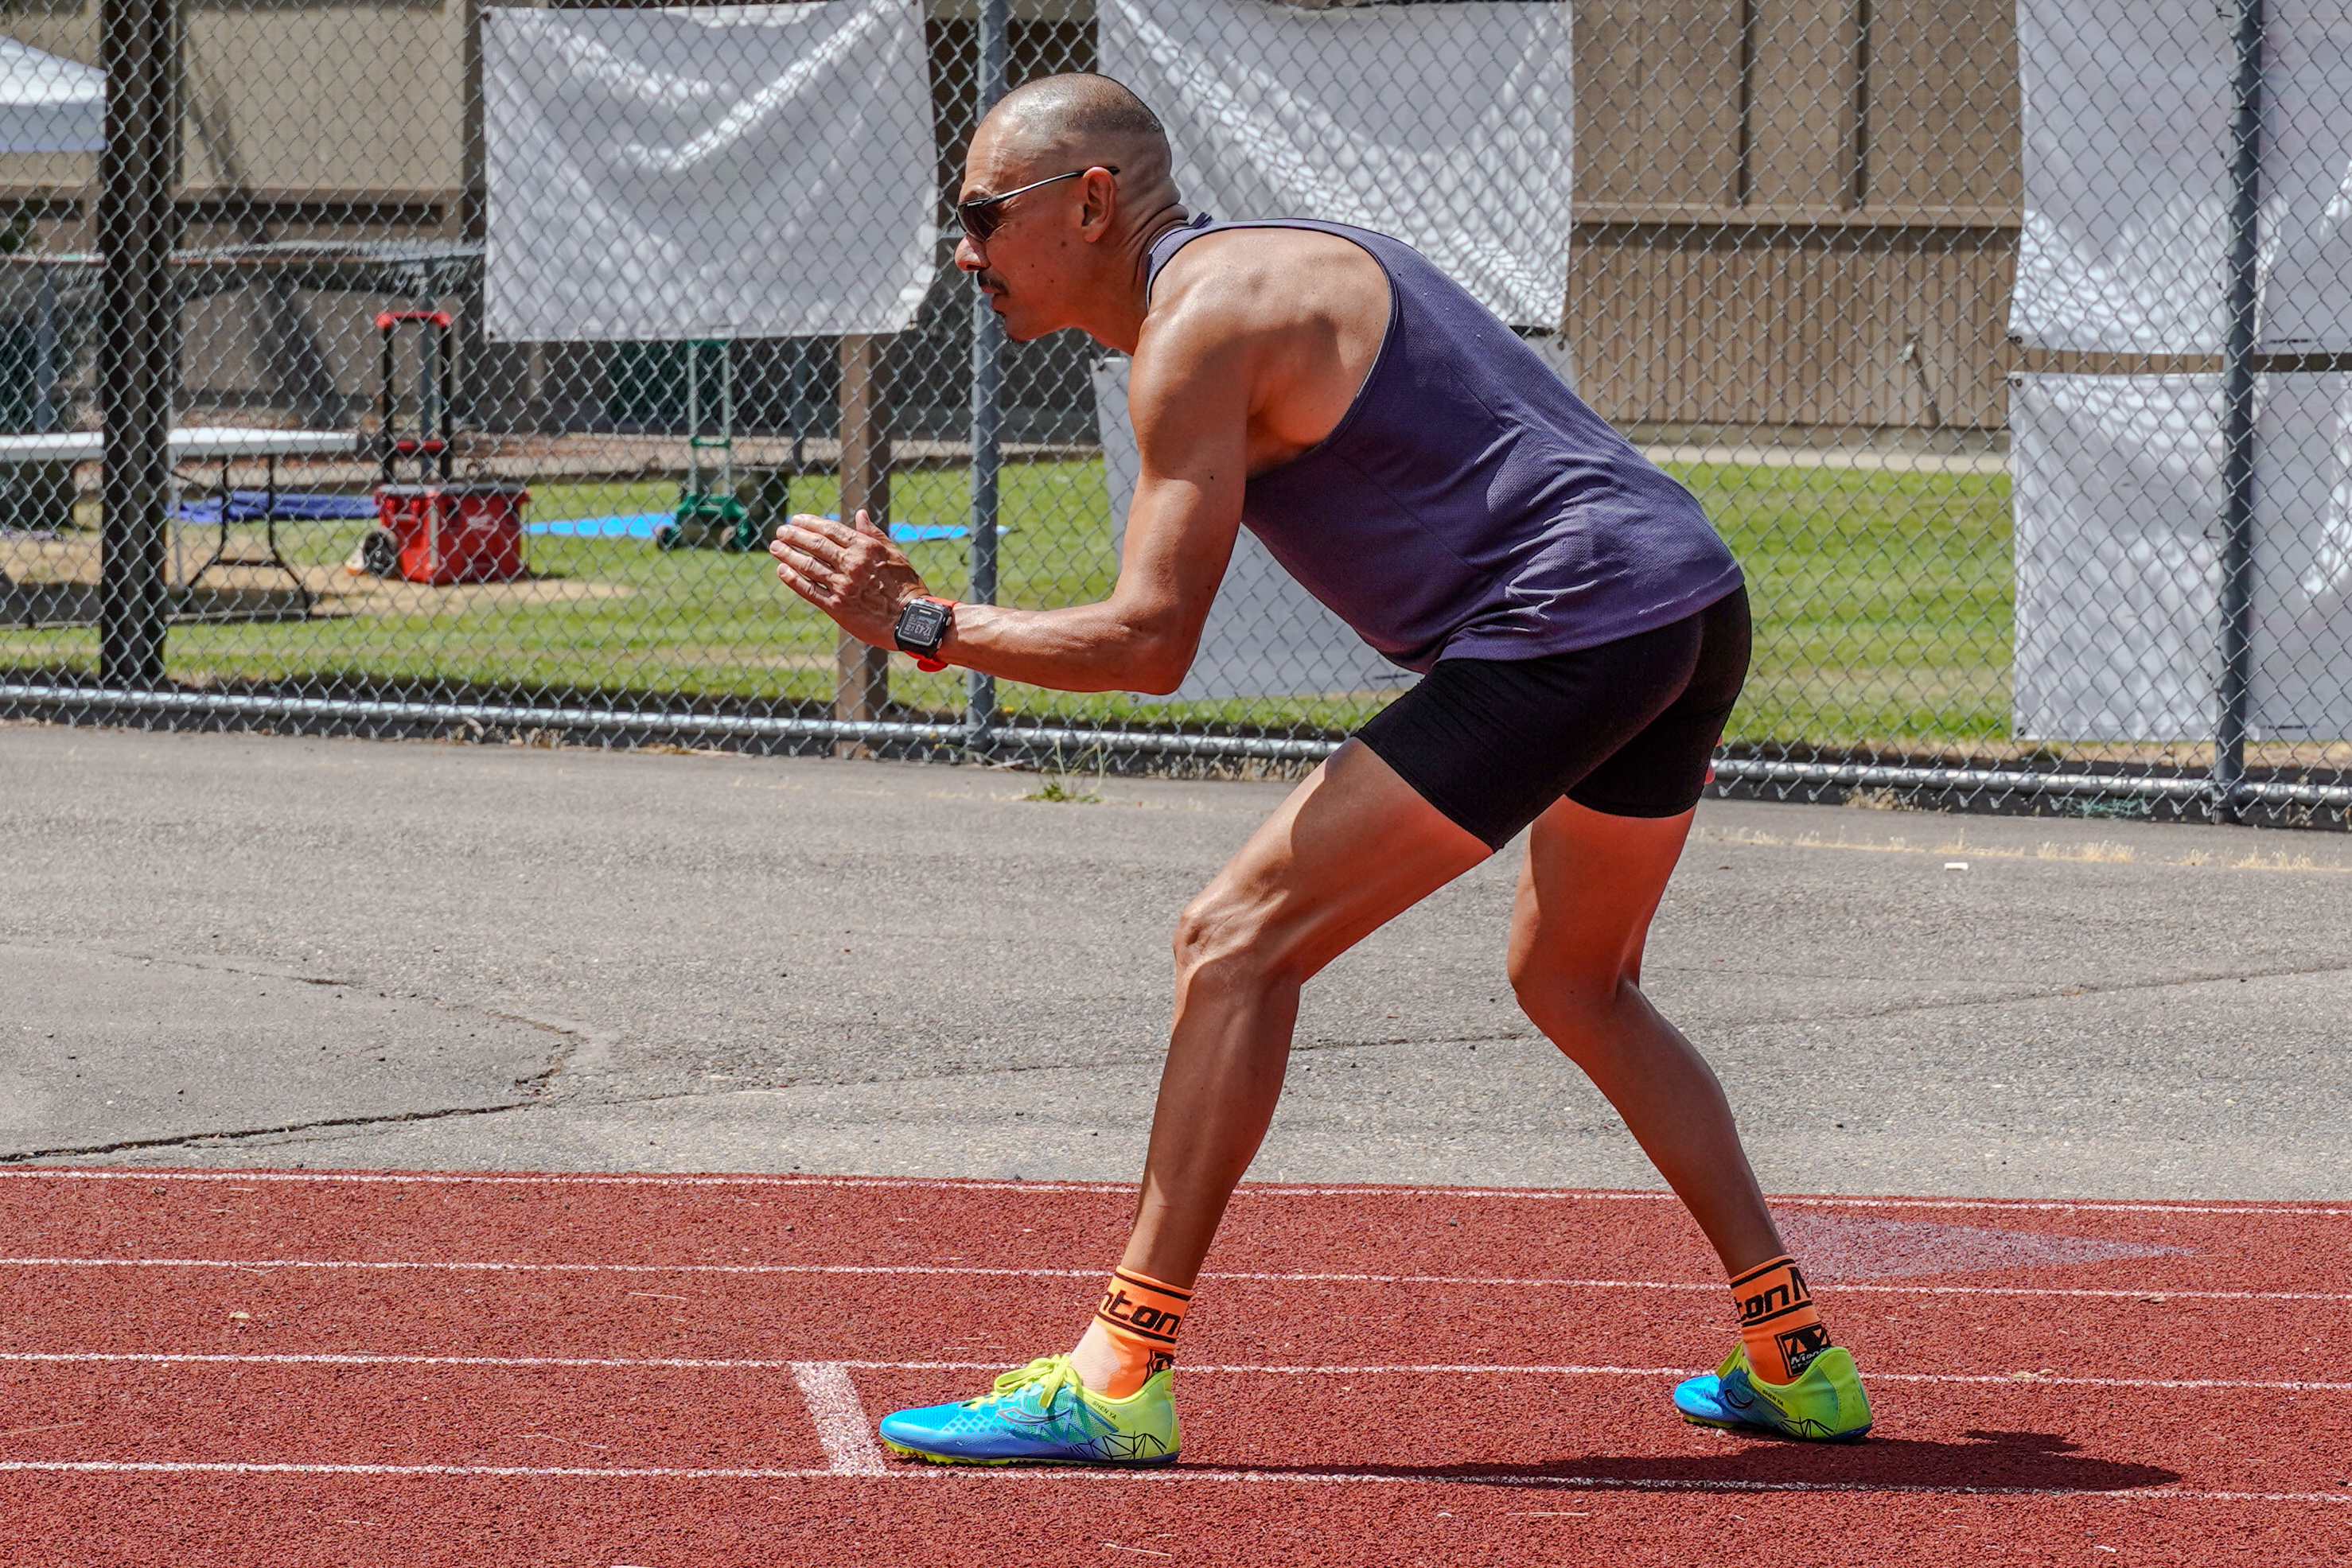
(1250, 279)
(1255, 254)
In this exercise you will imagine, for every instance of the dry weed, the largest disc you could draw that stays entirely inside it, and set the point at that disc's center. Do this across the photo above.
(2101, 850)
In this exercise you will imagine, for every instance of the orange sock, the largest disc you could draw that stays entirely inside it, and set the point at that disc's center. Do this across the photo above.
(1777, 1321)
(1140, 1315)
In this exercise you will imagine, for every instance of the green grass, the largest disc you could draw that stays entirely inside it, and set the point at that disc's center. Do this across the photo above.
(1883, 602)
(1882, 599)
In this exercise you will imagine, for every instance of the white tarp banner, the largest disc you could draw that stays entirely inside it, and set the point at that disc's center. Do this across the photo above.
(48, 103)
(2119, 518)
(722, 172)
(2117, 485)
(2302, 558)
(1265, 636)
(2306, 234)
(1447, 126)
(2126, 122)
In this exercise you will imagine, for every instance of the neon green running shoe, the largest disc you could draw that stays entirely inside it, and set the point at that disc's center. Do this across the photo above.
(1042, 1415)
(1825, 1405)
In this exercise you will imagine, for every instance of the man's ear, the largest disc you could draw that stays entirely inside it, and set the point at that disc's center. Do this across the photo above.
(1098, 204)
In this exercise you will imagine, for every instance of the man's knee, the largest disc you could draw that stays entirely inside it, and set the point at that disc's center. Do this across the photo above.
(1214, 929)
(1538, 990)
(1227, 941)
(1569, 999)
(1538, 977)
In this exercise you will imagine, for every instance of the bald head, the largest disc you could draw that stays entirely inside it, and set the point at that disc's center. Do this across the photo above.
(1079, 119)
(1079, 104)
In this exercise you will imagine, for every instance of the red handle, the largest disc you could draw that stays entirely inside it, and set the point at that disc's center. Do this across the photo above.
(385, 321)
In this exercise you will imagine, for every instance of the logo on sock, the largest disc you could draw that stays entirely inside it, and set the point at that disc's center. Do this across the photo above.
(1145, 1309)
(1778, 1323)
(1778, 1286)
(1799, 1345)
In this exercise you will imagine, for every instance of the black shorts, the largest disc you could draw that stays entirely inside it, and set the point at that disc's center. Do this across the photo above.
(1626, 728)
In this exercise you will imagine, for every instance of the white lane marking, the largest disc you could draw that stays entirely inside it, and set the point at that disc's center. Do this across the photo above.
(1044, 1473)
(1840, 1286)
(1538, 1194)
(844, 1422)
(840, 1417)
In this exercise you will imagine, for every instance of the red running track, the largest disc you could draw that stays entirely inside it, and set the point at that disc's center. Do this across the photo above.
(301, 1368)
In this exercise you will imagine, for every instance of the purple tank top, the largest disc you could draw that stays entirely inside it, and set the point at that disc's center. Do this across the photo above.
(1468, 506)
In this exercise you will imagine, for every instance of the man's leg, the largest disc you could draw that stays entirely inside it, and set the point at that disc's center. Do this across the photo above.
(1586, 898)
(1352, 848)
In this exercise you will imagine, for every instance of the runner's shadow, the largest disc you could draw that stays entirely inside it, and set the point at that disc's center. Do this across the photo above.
(1989, 1461)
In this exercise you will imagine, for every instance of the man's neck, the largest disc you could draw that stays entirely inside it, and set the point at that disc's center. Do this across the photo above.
(1134, 299)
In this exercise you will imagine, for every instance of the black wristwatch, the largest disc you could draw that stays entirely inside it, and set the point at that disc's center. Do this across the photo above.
(923, 628)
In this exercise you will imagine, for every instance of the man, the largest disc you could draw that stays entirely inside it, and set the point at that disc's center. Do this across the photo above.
(1584, 634)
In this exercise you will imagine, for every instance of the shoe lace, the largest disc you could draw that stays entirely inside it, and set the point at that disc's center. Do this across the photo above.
(1049, 1373)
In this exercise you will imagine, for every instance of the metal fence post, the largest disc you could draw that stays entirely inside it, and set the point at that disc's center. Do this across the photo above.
(137, 353)
(45, 354)
(2238, 414)
(862, 690)
(987, 389)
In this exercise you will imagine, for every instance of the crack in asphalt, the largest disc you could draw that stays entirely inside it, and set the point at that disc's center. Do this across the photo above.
(2120, 988)
(544, 1102)
(580, 1044)
(1140, 1059)
(583, 1048)
(210, 964)
(186, 1138)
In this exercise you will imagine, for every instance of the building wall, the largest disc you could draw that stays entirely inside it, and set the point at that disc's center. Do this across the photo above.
(334, 109)
(1776, 198)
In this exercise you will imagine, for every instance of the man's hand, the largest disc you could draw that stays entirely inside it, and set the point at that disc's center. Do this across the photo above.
(854, 574)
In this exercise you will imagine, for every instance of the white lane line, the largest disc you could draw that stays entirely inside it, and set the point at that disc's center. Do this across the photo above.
(1537, 1194)
(942, 1472)
(846, 1423)
(840, 1416)
(1842, 1287)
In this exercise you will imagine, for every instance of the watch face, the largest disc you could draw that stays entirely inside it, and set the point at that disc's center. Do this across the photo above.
(923, 624)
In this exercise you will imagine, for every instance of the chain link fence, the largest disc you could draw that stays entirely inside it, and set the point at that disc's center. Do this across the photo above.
(426, 367)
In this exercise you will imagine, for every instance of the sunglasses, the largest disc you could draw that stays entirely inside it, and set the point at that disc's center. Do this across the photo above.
(982, 215)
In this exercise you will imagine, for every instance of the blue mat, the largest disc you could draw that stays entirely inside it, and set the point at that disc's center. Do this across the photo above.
(635, 526)
(252, 506)
(924, 533)
(641, 526)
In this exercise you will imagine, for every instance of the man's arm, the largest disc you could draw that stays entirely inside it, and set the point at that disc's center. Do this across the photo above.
(1190, 396)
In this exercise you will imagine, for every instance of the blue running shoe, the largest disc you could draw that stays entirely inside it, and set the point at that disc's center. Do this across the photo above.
(1042, 1415)
(1824, 1405)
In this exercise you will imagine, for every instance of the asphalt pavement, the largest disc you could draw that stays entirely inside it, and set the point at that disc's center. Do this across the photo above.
(244, 950)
